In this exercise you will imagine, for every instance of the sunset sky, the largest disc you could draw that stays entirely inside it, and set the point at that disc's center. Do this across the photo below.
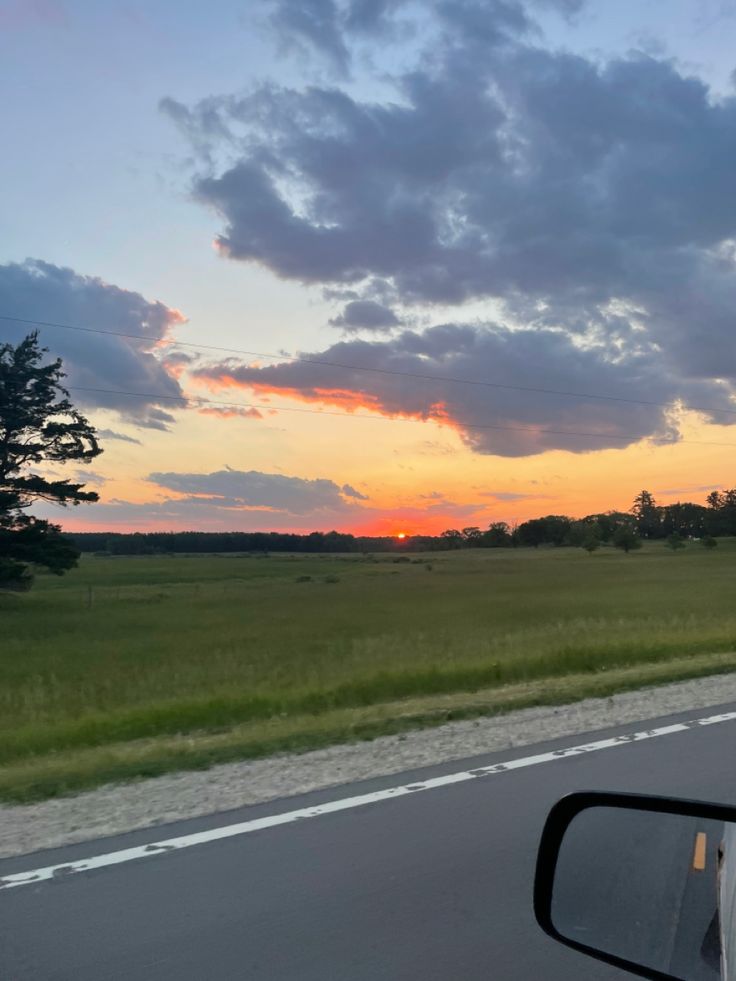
(532, 203)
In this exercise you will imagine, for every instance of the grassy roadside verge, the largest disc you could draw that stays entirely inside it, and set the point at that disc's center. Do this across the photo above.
(56, 773)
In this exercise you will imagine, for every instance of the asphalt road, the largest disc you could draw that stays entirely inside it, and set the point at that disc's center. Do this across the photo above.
(432, 885)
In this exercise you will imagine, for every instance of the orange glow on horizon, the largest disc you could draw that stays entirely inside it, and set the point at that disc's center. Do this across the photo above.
(411, 483)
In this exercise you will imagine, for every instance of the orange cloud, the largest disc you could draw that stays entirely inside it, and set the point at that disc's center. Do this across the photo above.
(342, 398)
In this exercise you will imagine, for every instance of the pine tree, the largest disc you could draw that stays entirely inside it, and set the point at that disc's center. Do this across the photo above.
(38, 425)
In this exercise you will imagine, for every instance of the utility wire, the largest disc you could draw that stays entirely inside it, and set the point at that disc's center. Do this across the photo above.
(346, 415)
(384, 371)
(378, 371)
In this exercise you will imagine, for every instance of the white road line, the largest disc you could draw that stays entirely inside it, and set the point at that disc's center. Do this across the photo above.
(348, 803)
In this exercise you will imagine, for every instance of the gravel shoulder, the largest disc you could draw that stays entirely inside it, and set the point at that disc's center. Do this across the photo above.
(118, 808)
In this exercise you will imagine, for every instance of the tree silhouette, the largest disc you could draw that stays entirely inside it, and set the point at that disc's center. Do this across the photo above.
(647, 514)
(38, 425)
(626, 538)
(497, 536)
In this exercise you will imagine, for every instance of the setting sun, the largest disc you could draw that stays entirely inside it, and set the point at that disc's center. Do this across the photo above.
(401, 534)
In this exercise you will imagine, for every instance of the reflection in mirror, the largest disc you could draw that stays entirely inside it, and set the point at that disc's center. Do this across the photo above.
(655, 889)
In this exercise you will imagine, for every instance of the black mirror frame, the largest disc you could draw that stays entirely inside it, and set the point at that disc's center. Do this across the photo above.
(557, 824)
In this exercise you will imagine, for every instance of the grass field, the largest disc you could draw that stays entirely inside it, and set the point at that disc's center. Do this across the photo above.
(129, 667)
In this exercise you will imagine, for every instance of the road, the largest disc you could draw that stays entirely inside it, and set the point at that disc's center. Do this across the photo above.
(433, 884)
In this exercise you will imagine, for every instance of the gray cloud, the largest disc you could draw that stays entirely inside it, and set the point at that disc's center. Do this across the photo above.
(596, 198)
(368, 314)
(466, 192)
(330, 28)
(111, 434)
(252, 489)
(90, 477)
(222, 514)
(314, 23)
(489, 420)
(36, 289)
(349, 491)
(202, 514)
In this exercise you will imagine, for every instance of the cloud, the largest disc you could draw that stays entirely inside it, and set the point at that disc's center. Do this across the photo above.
(222, 513)
(104, 434)
(177, 363)
(510, 496)
(37, 289)
(206, 514)
(331, 28)
(90, 477)
(366, 313)
(314, 23)
(349, 491)
(230, 412)
(492, 420)
(589, 197)
(231, 499)
(430, 447)
(245, 490)
(529, 171)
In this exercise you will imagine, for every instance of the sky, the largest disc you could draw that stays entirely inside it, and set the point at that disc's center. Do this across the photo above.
(383, 265)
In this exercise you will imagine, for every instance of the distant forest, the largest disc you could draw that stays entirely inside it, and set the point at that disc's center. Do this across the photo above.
(674, 523)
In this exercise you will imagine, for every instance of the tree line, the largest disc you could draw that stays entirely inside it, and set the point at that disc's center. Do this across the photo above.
(674, 523)
(177, 542)
(646, 520)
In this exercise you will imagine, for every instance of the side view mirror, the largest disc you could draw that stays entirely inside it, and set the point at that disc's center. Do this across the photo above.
(647, 884)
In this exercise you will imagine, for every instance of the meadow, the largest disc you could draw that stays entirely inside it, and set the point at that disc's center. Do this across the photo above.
(133, 666)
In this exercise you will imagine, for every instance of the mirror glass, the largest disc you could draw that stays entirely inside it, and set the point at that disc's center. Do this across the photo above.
(655, 889)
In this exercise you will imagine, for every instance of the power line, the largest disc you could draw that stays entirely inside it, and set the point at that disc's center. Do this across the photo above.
(346, 415)
(380, 371)
(384, 371)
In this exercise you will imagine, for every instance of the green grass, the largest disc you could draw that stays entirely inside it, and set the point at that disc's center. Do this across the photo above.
(132, 666)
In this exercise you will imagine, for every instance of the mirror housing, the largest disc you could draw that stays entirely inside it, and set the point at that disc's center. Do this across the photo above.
(612, 868)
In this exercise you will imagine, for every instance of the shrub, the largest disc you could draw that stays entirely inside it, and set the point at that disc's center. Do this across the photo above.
(590, 542)
(626, 538)
(674, 541)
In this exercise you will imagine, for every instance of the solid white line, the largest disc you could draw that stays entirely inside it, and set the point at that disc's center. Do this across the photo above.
(347, 803)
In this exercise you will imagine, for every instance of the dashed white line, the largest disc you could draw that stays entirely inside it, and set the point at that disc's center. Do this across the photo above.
(348, 803)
